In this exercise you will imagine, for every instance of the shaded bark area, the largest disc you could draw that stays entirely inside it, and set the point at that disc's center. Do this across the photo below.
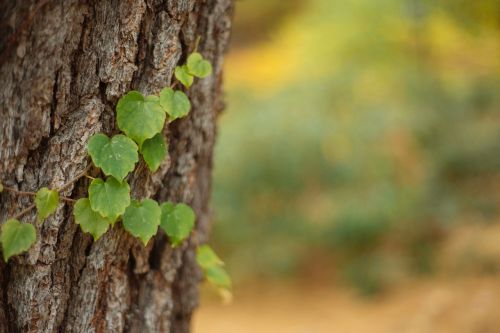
(63, 66)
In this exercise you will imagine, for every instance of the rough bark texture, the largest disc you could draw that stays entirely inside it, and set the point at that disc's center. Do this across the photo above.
(63, 66)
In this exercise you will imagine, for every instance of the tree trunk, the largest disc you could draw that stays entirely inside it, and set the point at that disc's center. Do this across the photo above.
(63, 66)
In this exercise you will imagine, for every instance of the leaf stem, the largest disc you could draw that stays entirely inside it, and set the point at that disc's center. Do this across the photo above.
(197, 43)
(174, 84)
(67, 199)
(24, 211)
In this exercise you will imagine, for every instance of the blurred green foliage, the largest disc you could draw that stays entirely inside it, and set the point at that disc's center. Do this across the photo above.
(358, 137)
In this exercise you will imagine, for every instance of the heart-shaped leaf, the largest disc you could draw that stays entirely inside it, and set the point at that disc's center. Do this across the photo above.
(154, 151)
(182, 74)
(206, 257)
(46, 202)
(218, 276)
(141, 219)
(16, 237)
(175, 103)
(89, 220)
(110, 198)
(177, 221)
(116, 156)
(198, 66)
(140, 118)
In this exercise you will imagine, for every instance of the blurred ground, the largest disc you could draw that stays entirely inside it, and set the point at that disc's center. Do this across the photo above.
(455, 300)
(463, 305)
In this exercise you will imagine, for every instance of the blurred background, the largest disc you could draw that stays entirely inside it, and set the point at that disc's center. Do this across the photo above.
(357, 169)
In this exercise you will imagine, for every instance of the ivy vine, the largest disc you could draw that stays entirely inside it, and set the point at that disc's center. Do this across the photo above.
(141, 119)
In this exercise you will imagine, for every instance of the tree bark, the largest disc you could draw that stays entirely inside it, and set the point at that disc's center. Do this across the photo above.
(63, 66)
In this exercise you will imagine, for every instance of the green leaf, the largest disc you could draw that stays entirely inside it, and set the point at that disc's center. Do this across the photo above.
(182, 74)
(116, 156)
(206, 257)
(46, 202)
(110, 198)
(198, 66)
(16, 237)
(140, 118)
(212, 267)
(218, 277)
(89, 220)
(177, 221)
(154, 151)
(1, 188)
(141, 219)
(175, 103)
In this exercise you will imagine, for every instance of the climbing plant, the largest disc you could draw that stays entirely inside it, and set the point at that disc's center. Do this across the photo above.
(141, 120)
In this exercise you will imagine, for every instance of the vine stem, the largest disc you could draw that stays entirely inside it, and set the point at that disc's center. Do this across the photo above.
(24, 211)
(80, 175)
(32, 206)
(63, 198)
(13, 190)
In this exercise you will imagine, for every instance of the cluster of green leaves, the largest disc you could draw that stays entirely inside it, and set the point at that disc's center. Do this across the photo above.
(195, 66)
(141, 120)
(213, 268)
(17, 237)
